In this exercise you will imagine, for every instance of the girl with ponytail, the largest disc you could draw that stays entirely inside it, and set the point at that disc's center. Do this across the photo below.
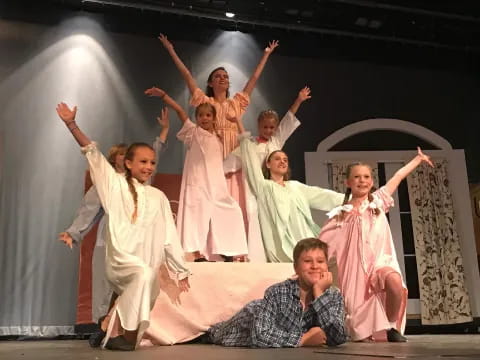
(359, 237)
(141, 236)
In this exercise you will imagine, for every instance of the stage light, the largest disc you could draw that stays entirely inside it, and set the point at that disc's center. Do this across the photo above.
(229, 14)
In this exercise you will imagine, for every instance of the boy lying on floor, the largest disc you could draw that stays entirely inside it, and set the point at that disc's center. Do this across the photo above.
(306, 311)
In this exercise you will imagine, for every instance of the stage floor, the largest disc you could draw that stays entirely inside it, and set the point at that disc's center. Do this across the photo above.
(425, 347)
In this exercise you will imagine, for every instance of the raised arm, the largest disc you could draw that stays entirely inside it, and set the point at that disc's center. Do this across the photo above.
(250, 161)
(164, 122)
(187, 76)
(289, 122)
(258, 70)
(392, 184)
(154, 91)
(303, 95)
(102, 173)
(68, 117)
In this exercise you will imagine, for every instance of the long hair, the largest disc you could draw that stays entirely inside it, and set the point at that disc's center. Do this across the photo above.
(266, 170)
(209, 89)
(114, 151)
(129, 155)
(348, 191)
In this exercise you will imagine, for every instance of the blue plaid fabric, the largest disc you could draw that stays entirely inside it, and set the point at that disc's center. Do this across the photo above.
(278, 320)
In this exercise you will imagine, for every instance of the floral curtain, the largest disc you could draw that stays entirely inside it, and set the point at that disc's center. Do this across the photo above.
(443, 295)
(338, 174)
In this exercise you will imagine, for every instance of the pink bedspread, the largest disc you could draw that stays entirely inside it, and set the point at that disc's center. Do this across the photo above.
(218, 290)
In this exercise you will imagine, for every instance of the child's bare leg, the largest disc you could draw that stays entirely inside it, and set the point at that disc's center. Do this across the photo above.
(393, 289)
(117, 326)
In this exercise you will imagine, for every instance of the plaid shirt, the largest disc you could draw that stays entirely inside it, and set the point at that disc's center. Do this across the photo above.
(278, 319)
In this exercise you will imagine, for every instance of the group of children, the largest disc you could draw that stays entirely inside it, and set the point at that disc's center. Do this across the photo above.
(237, 204)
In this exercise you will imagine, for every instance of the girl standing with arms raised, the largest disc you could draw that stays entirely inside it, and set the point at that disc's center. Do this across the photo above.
(209, 220)
(283, 205)
(217, 94)
(141, 235)
(272, 135)
(359, 237)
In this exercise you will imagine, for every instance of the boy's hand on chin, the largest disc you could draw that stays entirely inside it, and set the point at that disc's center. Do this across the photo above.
(325, 281)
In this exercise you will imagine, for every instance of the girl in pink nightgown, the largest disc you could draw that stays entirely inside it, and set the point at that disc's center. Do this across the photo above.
(359, 237)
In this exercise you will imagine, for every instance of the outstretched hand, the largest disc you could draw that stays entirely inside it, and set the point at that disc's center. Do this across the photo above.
(154, 91)
(65, 113)
(424, 157)
(184, 285)
(271, 46)
(304, 94)
(164, 40)
(163, 119)
(66, 239)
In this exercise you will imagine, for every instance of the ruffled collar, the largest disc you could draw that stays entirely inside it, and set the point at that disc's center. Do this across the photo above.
(372, 205)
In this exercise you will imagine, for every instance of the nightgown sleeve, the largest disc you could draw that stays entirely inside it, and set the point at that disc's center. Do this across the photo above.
(173, 251)
(319, 198)
(88, 214)
(187, 132)
(383, 199)
(102, 173)
(251, 164)
(287, 126)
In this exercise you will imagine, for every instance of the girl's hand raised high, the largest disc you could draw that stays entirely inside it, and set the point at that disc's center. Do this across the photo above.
(424, 157)
(304, 94)
(271, 46)
(65, 113)
(166, 43)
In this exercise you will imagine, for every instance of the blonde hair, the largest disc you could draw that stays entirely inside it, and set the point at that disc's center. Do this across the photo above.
(207, 106)
(114, 151)
(265, 114)
(348, 191)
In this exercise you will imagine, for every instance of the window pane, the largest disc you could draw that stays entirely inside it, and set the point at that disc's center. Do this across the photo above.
(403, 196)
(381, 174)
(412, 277)
(407, 234)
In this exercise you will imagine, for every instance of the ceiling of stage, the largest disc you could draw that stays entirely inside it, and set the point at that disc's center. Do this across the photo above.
(424, 32)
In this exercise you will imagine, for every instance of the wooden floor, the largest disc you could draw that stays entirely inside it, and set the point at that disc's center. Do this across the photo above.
(424, 347)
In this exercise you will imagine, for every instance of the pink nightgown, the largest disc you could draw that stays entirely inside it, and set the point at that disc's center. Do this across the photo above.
(363, 247)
